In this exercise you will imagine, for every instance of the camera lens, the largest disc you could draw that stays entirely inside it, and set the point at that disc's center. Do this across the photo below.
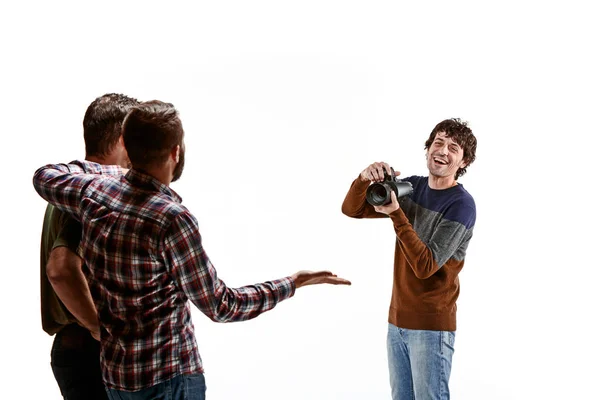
(378, 194)
(403, 188)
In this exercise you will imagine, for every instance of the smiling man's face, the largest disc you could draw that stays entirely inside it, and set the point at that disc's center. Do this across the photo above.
(444, 157)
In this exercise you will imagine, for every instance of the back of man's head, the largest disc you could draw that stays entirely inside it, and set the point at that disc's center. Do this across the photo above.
(150, 131)
(102, 123)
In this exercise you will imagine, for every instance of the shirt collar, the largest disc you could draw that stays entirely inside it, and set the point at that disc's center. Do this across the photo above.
(140, 179)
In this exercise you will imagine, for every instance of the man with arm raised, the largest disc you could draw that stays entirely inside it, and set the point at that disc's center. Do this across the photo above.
(146, 257)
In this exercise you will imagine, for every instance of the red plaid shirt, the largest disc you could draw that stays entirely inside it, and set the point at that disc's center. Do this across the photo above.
(144, 260)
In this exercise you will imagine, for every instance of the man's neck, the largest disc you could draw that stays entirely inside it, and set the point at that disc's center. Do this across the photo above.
(108, 160)
(441, 182)
(159, 173)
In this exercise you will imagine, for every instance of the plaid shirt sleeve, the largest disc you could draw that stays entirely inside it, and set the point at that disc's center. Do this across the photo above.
(189, 265)
(62, 185)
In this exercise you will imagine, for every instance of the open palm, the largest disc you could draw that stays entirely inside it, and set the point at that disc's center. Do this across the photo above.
(305, 278)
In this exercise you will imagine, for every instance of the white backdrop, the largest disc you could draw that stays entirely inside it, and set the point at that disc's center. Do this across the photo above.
(283, 104)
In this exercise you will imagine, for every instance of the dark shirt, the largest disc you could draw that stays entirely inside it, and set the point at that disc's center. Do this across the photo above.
(58, 230)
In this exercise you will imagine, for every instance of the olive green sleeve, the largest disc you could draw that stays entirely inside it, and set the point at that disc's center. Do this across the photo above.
(69, 233)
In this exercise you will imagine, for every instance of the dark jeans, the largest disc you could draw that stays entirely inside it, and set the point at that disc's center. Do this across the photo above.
(75, 361)
(181, 387)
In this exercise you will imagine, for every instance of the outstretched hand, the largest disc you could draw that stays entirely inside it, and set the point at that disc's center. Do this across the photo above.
(305, 278)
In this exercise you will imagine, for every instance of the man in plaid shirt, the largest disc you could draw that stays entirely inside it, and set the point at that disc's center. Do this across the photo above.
(145, 259)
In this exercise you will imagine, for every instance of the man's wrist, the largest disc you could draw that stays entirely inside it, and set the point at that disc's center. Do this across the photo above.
(288, 287)
(398, 217)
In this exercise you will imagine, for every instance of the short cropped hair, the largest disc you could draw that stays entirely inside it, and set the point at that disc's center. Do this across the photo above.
(150, 131)
(102, 122)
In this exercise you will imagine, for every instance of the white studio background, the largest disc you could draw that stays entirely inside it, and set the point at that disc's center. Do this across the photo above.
(283, 104)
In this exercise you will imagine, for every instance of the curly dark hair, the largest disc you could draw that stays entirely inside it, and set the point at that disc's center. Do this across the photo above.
(102, 122)
(460, 132)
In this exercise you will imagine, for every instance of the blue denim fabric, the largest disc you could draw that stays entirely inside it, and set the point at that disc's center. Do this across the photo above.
(419, 363)
(181, 387)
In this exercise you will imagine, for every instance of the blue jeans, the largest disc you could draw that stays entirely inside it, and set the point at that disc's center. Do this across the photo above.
(419, 363)
(181, 387)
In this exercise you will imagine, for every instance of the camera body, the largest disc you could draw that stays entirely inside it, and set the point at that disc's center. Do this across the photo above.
(380, 193)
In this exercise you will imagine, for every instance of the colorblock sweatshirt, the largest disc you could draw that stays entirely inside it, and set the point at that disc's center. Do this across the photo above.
(433, 229)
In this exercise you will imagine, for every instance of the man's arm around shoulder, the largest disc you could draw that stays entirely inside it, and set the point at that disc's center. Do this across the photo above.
(62, 185)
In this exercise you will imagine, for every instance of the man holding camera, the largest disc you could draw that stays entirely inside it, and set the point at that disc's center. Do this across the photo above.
(433, 225)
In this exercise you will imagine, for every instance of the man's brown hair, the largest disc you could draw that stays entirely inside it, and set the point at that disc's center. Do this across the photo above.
(150, 131)
(460, 132)
(102, 122)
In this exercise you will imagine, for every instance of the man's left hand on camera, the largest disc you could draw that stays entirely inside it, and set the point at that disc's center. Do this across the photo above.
(388, 208)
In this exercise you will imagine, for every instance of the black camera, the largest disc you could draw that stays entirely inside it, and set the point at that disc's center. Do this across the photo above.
(379, 193)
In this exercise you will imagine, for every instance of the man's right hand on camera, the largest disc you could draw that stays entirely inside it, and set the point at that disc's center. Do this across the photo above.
(375, 172)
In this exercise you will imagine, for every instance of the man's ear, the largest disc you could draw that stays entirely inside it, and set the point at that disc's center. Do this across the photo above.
(175, 153)
(119, 144)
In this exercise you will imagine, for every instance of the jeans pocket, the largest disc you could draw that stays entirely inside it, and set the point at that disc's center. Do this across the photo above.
(195, 387)
(448, 339)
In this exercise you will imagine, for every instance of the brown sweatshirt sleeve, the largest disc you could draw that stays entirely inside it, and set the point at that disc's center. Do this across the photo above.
(355, 204)
(418, 255)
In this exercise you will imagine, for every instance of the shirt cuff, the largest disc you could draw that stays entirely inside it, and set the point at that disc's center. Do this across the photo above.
(91, 167)
(399, 218)
(286, 288)
(360, 186)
